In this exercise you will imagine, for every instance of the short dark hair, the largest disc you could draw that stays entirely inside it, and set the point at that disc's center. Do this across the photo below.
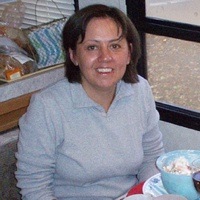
(75, 29)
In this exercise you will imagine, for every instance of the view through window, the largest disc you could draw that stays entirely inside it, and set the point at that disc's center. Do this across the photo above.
(174, 71)
(173, 64)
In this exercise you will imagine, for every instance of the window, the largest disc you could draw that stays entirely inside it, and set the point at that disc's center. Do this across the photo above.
(173, 67)
(41, 11)
(170, 59)
(174, 10)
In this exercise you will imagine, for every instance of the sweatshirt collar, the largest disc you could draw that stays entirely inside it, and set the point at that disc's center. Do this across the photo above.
(81, 99)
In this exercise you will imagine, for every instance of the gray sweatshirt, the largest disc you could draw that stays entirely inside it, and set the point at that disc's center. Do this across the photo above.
(70, 148)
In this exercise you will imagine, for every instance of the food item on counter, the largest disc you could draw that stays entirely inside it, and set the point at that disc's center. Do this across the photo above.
(10, 68)
(179, 166)
(19, 37)
(12, 74)
(14, 61)
(14, 66)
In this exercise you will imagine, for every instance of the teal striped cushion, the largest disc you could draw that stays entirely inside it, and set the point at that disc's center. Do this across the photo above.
(47, 42)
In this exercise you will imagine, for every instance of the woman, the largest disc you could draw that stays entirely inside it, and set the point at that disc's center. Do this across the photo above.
(95, 134)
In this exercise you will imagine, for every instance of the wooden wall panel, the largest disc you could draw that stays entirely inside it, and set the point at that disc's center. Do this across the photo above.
(12, 110)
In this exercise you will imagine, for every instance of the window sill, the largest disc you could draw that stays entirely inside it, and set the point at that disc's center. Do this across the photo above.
(179, 116)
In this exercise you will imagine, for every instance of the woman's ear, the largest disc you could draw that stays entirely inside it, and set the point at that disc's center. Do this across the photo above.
(130, 52)
(73, 56)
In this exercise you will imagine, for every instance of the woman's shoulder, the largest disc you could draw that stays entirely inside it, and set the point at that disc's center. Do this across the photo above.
(142, 88)
(55, 91)
(57, 87)
(142, 80)
(141, 84)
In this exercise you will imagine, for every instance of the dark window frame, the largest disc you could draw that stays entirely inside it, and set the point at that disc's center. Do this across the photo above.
(76, 5)
(136, 12)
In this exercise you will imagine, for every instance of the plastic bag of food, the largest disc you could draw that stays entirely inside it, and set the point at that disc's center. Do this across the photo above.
(15, 65)
(14, 61)
(13, 14)
(10, 68)
(18, 36)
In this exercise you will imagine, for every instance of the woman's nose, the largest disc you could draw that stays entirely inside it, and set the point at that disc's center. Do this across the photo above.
(105, 55)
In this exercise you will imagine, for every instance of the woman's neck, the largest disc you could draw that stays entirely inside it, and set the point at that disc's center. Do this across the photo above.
(102, 97)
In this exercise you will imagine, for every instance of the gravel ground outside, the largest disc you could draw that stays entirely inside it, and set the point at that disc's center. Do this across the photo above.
(174, 71)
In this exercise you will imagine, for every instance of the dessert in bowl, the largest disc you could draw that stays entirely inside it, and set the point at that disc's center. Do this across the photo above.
(177, 172)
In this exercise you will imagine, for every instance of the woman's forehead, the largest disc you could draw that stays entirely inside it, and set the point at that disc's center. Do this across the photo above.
(103, 27)
(107, 20)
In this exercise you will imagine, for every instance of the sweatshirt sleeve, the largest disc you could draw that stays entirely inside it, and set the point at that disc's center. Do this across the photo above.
(36, 152)
(152, 137)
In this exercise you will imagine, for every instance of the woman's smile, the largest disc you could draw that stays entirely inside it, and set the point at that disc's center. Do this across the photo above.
(104, 70)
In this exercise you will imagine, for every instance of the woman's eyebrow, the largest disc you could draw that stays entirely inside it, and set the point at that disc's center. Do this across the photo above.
(117, 39)
(97, 41)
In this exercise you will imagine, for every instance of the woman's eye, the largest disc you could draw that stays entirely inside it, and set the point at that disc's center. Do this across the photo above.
(115, 46)
(91, 47)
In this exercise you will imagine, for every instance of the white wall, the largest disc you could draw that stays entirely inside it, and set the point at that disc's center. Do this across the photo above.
(175, 137)
(117, 3)
(178, 137)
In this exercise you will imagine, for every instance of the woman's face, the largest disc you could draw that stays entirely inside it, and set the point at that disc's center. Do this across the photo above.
(102, 56)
